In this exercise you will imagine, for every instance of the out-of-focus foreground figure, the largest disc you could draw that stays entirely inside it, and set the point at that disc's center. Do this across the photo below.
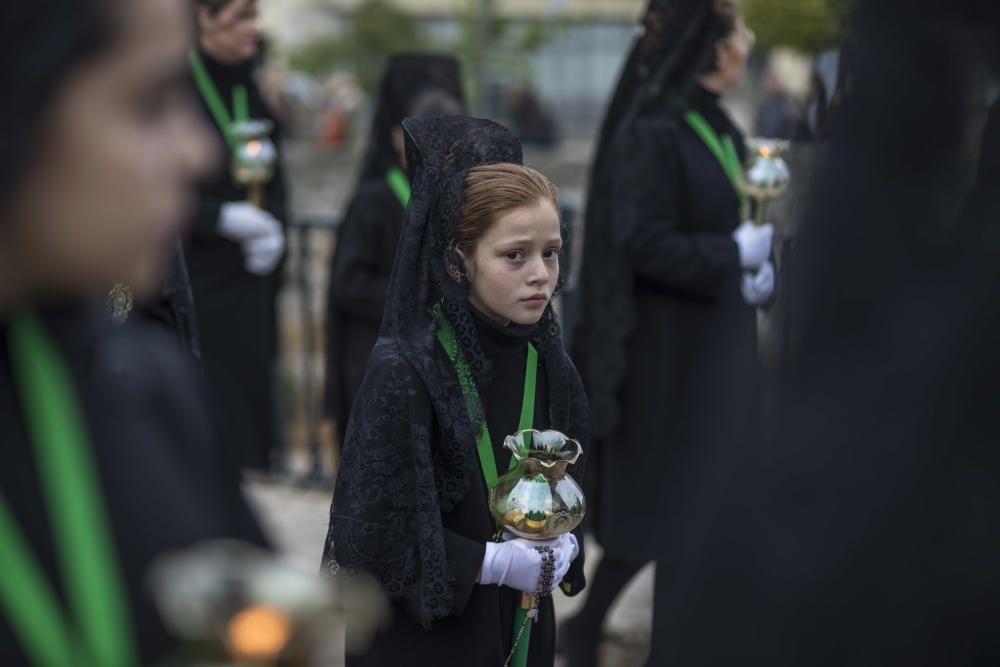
(109, 456)
(867, 532)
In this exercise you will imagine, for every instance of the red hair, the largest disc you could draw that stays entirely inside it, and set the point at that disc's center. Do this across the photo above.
(492, 190)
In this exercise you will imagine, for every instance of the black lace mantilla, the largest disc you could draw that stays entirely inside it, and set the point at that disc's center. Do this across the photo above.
(410, 450)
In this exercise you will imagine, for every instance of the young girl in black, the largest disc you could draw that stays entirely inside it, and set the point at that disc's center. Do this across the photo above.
(468, 319)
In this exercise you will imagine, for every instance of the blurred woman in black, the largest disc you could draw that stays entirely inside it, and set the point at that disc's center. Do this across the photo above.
(414, 84)
(109, 456)
(235, 247)
(866, 534)
(670, 285)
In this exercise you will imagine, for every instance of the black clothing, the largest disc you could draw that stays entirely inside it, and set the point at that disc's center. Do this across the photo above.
(410, 506)
(690, 400)
(690, 397)
(369, 234)
(359, 276)
(666, 344)
(406, 77)
(982, 207)
(153, 445)
(866, 534)
(235, 309)
(673, 44)
(479, 629)
(692, 353)
(173, 308)
(507, 350)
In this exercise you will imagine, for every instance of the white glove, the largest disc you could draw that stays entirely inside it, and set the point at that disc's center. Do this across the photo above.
(567, 552)
(758, 286)
(262, 254)
(754, 243)
(517, 564)
(241, 221)
(258, 232)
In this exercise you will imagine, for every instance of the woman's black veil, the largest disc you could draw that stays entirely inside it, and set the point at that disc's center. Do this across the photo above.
(674, 42)
(406, 77)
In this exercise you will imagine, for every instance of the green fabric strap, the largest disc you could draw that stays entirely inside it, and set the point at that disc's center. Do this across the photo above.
(102, 633)
(213, 99)
(399, 185)
(723, 149)
(484, 445)
(520, 657)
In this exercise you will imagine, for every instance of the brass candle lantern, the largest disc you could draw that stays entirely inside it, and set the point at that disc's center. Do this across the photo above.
(233, 605)
(767, 175)
(254, 157)
(537, 500)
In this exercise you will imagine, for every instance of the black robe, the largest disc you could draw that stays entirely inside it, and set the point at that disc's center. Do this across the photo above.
(478, 632)
(235, 309)
(163, 484)
(689, 396)
(359, 277)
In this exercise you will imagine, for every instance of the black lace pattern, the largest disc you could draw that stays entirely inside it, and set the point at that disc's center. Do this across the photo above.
(410, 450)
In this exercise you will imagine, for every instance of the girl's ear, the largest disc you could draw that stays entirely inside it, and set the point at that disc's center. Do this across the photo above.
(465, 269)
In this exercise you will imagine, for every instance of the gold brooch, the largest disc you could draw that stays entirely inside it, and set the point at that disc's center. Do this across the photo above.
(120, 302)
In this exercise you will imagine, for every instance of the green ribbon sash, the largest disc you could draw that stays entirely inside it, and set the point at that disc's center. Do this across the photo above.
(100, 633)
(399, 185)
(484, 444)
(722, 148)
(210, 93)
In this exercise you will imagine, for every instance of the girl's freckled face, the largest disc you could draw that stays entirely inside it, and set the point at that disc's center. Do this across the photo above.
(515, 266)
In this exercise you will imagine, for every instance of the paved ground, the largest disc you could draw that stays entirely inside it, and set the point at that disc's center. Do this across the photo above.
(296, 519)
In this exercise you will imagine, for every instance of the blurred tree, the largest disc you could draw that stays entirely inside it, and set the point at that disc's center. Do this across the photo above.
(809, 26)
(491, 47)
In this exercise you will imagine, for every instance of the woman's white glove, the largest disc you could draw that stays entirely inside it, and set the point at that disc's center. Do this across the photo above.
(258, 232)
(758, 286)
(754, 243)
(241, 221)
(262, 255)
(517, 564)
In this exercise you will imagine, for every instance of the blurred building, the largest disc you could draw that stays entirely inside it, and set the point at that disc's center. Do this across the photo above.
(573, 70)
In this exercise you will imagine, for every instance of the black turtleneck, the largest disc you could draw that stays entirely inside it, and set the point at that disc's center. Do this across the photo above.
(227, 75)
(507, 349)
(707, 104)
(703, 98)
